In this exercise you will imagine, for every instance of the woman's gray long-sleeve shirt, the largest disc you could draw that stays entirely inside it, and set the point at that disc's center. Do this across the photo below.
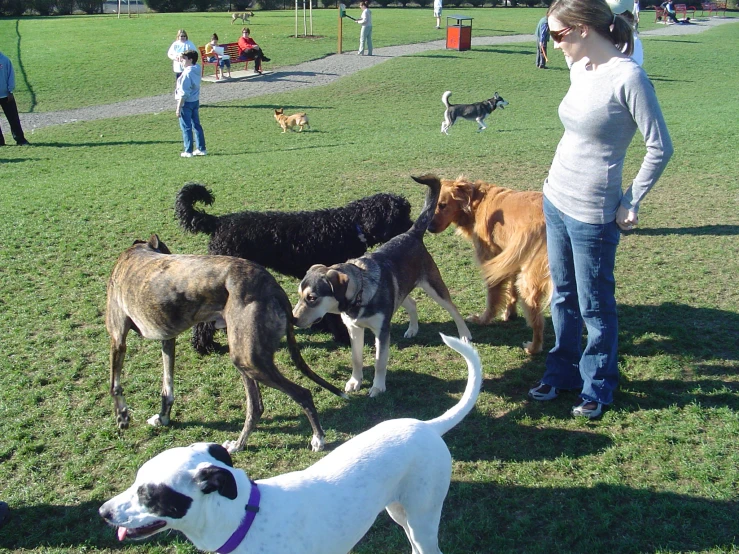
(601, 112)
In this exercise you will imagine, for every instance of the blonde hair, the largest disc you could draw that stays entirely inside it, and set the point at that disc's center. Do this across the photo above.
(597, 15)
(181, 32)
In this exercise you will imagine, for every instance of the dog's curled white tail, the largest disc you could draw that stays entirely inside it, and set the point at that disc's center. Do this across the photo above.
(454, 415)
(445, 97)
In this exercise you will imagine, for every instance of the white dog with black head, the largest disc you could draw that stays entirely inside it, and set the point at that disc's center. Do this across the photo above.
(401, 465)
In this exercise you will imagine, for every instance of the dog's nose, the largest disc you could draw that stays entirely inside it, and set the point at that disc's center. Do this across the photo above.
(105, 513)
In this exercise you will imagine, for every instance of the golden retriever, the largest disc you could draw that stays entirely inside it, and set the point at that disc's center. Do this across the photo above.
(508, 232)
(291, 121)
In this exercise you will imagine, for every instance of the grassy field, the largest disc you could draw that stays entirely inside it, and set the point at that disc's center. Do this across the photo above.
(658, 474)
(103, 59)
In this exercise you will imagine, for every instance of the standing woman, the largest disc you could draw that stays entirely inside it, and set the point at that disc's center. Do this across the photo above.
(365, 35)
(179, 46)
(187, 95)
(609, 98)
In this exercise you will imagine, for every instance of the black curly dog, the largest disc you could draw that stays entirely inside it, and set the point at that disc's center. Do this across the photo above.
(291, 242)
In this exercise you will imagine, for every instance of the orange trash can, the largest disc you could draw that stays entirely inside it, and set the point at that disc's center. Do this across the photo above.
(458, 32)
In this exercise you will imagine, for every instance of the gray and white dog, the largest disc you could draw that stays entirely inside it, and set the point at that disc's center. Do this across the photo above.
(159, 295)
(367, 291)
(477, 111)
(400, 465)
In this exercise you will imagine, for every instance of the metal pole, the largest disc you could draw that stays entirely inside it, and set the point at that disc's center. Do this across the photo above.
(296, 18)
(305, 23)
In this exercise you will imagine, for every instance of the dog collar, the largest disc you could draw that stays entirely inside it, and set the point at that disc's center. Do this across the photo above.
(252, 507)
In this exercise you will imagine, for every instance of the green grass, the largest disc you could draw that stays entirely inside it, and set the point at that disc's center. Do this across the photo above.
(658, 474)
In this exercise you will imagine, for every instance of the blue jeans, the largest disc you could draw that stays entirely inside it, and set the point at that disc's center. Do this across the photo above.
(189, 120)
(582, 257)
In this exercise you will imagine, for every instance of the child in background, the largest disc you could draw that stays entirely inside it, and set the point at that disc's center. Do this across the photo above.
(215, 52)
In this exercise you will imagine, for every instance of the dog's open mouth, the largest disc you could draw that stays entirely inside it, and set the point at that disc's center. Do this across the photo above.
(140, 532)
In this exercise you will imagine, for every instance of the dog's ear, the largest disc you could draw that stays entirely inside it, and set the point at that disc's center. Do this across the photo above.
(339, 282)
(463, 192)
(220, 454)
(156, 244)
(217, 479)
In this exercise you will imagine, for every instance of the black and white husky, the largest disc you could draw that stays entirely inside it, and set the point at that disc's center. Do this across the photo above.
(478, 111)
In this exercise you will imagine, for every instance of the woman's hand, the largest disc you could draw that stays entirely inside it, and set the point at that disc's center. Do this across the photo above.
(626, 219)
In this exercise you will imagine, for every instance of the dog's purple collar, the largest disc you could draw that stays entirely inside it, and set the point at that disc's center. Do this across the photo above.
(252, 507)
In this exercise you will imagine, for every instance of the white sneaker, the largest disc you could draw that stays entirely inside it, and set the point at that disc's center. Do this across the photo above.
(185, 155)
(200, 153)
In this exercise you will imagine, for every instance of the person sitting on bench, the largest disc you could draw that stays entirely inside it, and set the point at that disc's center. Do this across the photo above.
(250, 50)
(669, 8)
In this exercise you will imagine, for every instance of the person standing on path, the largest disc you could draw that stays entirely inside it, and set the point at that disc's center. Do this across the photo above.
(7, 101)
(188, 105)
(437, 13)
(365, 35)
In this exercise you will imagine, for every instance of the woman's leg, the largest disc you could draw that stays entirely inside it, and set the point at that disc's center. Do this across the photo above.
(594, 253)
(369, 40)
(362, 38)
(562, 364)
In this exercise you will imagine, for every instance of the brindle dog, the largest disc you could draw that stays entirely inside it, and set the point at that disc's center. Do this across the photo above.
(160, 295)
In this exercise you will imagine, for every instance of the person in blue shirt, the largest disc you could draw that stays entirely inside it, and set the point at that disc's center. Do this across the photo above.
(7, 102)
(542, 39)
(187, 95)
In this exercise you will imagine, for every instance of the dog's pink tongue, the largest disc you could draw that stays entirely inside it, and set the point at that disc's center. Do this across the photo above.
(122, 533)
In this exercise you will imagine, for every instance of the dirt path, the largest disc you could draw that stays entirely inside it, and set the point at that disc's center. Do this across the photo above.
(309, 74)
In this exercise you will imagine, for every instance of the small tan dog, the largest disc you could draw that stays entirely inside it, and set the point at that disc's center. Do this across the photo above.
(291, 121)
(243, 16)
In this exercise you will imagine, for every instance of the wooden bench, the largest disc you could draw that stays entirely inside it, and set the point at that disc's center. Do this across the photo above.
(231, 49)
(720, 7)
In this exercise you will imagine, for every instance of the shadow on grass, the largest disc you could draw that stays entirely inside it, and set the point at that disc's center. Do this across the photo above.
(476, 518)
(266, 107)
(104, 143)
(700, 231)
(52, 526)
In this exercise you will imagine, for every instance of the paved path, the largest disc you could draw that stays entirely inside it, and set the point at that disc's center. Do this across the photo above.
(309, 74)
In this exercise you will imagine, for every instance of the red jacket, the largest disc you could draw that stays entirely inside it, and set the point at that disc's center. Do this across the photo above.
(247, 43)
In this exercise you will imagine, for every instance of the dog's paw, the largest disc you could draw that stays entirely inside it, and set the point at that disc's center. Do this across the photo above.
(528, 346)
(158, 421)
(232, 446)
(122, 420)
(317, 444)
(411, 332)
(478, 319)
(352, 385)
(376, 391)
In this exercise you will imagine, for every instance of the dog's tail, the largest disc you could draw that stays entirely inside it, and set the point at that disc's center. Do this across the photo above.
(192, 220)
(445, 97)
(452, 417)
(511, 260)
(429, 207)
(297, 357)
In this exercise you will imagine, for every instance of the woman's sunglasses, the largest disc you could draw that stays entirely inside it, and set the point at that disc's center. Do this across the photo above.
(557, 36)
